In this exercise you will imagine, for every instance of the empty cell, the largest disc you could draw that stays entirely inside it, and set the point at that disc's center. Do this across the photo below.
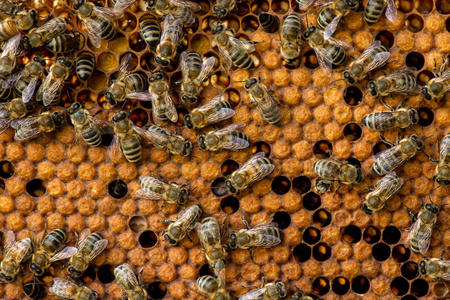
(229, 205)
(424, 76)
(415, 60)
(380, 146)
(321, 218)
(424, 6)
(352, 234)
(261, 147)
(137, 224)
(117, 189)
(157, 290)
(321, 286)
(340, 285)
(301, 184)
(360, 285)
(443, 6)
(36, 188)
(410, 270)
(321, 252)
(106, 274)
(205, 270)
(414, 23)
(419, 288)
(148, 239)
(250, 24)
(311, 235)
(372, 234)
(352, 132)
(406, 6)
(228, 167)
(89, 275)
(309, 60)
(283, 219)
(139, 117)
(6, 169)
(386, 38)
(281, 185)
(381, 251)
(399, 286)
(426, 116)
(400, 253)
(323, 149)
(391, 235)
(353, 95)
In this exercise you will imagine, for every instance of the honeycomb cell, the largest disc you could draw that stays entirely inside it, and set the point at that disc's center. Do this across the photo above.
(321, 218)
(380, 146)
(261, 146)
(400, 253)
(419, 288)
(414, 23)
(352, 234)
(36, 188)
(309, 60)
(137, 43)
(440, 290)
(249, 24)
(443, 6)
(283, 219)
(353, 96)
(97, 81)
(424, 76)
(321, 252)
(229, 205)
(340, 285)
(352, 132)
(391, 235)
(137, 224)
(321, 286)
(281, 185)
(6, 169)
(386, 38)
(415, 60)
(228, 167)
(148, 239)
(399, 286)
(426, 116)
(360, 285)
(410, 270)
(323, 149)
(311, 201)
(200, 43)
(372, 234)
(107, 61)
(311, 235)
(301, 184)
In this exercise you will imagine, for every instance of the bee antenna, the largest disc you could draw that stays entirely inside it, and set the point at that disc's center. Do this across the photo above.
(124, 102)
(337, 81)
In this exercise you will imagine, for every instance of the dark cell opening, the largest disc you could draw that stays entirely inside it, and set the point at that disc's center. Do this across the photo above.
(386, 38)
(372, 234)
(6, 169)
(302, 252)
(321, 252)
(354, 162)
(310, 60)
(139, 117)
(447, 24)
(424, 76)
(311, 201)
(360, 285)
(137, 224)
(406, 6)
(182, 112)
(352, 132)
(426, 116)
(283, 219)
(229, 205)
(117, 189)
(321, 286)
(391, 235)
(353, 96)
(301, 184)
(280, 6)
(259, 6)
(440, 290)
(400, 253)
(242, 9)
(419, 287)
(106, 274)
(352, 234)
(322, 149)
(107, 139)
(157, 290)
(218, 187)
(311, 235)
(137, 43)
(206, 270)
(148, 239)
(340, 285)
(408, 297)
(415, 60)
(250, 24)
(443, 6)
(228, 167)
(425, 6)
(234, 97)
(410, 270)
(281, 185)
(89, 275)
(414, 23)
(321, 218)
(380, 146)
(381, 251)
(261, 147)
(399, 286)
(36, 188)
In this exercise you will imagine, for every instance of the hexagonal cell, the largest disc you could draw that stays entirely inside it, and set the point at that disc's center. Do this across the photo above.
(321, 218)
(410, 270)
(117, 189)
(269, 22)
(400, 253)
(443, 6)
(137, 224)
(380, 146)
(34, 290)
(106, 274)
(301, 184)
(232, 22)
(259, 6)
(139, 117)
(6, 169)
(360, 285)
(381, 251)
(200, 43)
(321, 252)
(219, 81)
(440, 290)
(261, 147)
(322, 149)
(352, 132)
(372, 234)
(107, 61)
(89, 275)
(119, 44)
(250, 24)
(127, 22)
(353, 96)
(137, 43)
(234, 97)
(206, 270)
(340, 285)
(424, 76)
(281, 185)
(242, 8)
(134, 61)
(311, 201)
(280, 6)
(228, 167)
(354, 162)
(419, 288)
(386, 38)
(415, 60)
(148, 239)
(107, 139)
(391, 235)
(97, 81)
(229, 205)
(399, 286)
(218, 187)
(414, 23)
(157, 290)
(205, 7)
(283, 219)
(426, 116)
(36, 188)
(424, 6)
(406, 6)
(309, 60)
(321, 286)
(311, 235)
(351, 234)
(256, 58)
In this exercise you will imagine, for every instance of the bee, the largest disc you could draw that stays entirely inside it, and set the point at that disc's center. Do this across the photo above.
(419, 235)
(89, 247)
(332, 12)
(150, 31)
(329, 171)
(389, 159)
(267, 104)
(85, 65)
(154, 188)
(164, 139)
(181, 227)
(14, 254)
(128, 282)
(373, 57)
(50, 90)
(271, 291)
(374, 9)
(442, 175)
(300, 295)
(255, 169)
(290, 39)
(216, 110)
(437, 87)
(45, 33)
(210, 236)
(305, 4)
(31, 126)
(97, 20)
(222, 8)
(212, 288)
(268, 22)
(264, 235)
(230, 138)
(384, 189)
(9, 7)
(435, 268)
(401, 118)
(400, 82)
(13, 110)
(49, 250)
(180, 9)
(72, 41)
(34, 290)
(231, 49)
(8, 56)
(194, 72)
(22, 21)
(66, 289)
(29, 77)
(171, 38)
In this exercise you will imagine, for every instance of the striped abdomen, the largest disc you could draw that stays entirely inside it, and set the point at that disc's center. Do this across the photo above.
(131, 147)
(209, 228)
(89, 243)
(20, 250)
(444, 149)
(85, 65)
(270, 110)
(384, 165)
(269, 23)
(231, 136)
(186, 15)
(147, 183)
(7, 29)
(335, 55)
(264, 232)
(156, 134)
(54, 100)
(290, 28)
(54, 241)
(150, 31)
(374, 52)
(92, 136)
(406, 82)
(194, 64)
(382, 120)
(108, 29)
(72, 41)
(325, 17)
(5, 94)
(241, 58)
(419, 237)
(34, 290)
(136, 83)
(373, 11)
(327, 169)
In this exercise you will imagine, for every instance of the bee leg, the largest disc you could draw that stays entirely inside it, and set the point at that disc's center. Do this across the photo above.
(263, 279)
(251, 254)
(413, 216)
(189, 238)
(435, 69)
(245, 222)
(442, 254)
(383, 139)
(387, 105)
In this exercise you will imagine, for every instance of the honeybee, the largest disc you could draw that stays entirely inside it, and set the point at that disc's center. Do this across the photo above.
(45, 33)
(29, 77)
(150, 31)
(329, 51)
(442, 176)
(269, 23)
(436, 88)
(267, 104)
(97, 20)
(171, 38)
(72, 41)
(255, 169)
(164, 139)
(8, 56)
(400, 82)
(230, 138)
(373, 57)
(384, 189)
(194, 71)
(374, 9)
(389, 159)
(31, 126)
(305, 4)
(184, 223)
(14, 254)
(329, 171)
(49, 250)
(22, 21)
(231, 49)
(435, 268)
(85, 65)
(180, 9)
(89, 247)
(34, 290)
(216, 110)
(66, 289)
(128, 282)
(331, 13)
(13, 110)
(290, 39)
(271, 291)
(222, 8)
(50, 90)
(264, 235)
(419, 235)
(213, 288)
(9, 7)
(154, 188)
(210, 236)
(401, 118)
(300, 295)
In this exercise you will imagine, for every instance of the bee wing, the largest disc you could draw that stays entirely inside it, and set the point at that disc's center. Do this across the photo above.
(27, 127)
(94, 32)
(154, 135)
(82, 237)
(236, 144)
(64, 253)
(444, 150)
(304, 4)
(104, 126)
(446, 264)
(99, 246)
(324, 64)
(141, 96)
(207, 68)
(6, 84)
(28, 91)
(10, 239)
(267, 241)
(107, 13)
(406, 88)
(222, 114)
(51, 91)
(183, 64)
(445, 77)
(50, 29)
(156, 111)
(5, 122)
(125, 67)
(266, 225)
(225, 61)
(391, 11)
(148, 194)
(340, 43)
(230, 128)
(171, 111)
(172, 29)
(187, 4)
(425, 238)
(254, 295)
(386, 185)
(121, 5)
(331, 28)
(66, 293)
(244, 45)
(129, 280)
(114, 147)
(11, 46)
(379, 60)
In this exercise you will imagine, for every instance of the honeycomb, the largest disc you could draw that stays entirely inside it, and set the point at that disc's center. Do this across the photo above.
(331, 248)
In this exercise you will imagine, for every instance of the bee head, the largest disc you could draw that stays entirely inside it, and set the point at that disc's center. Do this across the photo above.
(373, 88)
(417, 140)
(168, 239)
(414, 115)
(431, 207)
(4, 278)
(187, 148)
(422, 267)
(187, 121)
(230, 186)
(220, 12)
(249, 83)
(232, 241)
(353, 3)
(78, 3)
(151, 4)
(348, 77)
(308, 32)
(26, 43)
(201, 141)
(38, 58)
(36, 270)
(75, 273)
(425, 93)
(217, 27)
(366, 209)
(162, 61)
(109, 99)
(443, 182)
(58, 118)
(94, 296)
(184, 197)
(189, 100)
(282, 292)
(29, 106)
(74, 108)
(118, 116)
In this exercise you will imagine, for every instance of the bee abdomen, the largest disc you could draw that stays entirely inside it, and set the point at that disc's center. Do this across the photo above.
(55, 240)
(291, 26)
(92, 136)
(325, 17)
(194, 64)
(6, 93)
(268, 22)
(272, 114)
(108, 30)
(406, 82)
(373, 11)
(89, 243)
(186, 15)
(132, 150)
(72, 41)
(85, 65)
(150, 31)
(136, 82)
(229, 137)
(242, 59)
(379, 121)
(335, 55)
(7, 30)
